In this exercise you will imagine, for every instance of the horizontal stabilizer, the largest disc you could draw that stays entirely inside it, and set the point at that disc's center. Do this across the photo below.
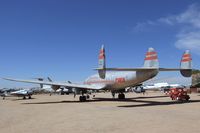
(127, 69)
(173, 69)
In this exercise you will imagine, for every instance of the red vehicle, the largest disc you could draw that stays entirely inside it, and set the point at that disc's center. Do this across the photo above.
(178, 94)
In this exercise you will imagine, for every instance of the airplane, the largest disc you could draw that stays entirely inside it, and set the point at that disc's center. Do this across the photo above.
(62, 90)
(117, 79)
(23, 93)
(157, 86)
(19, 93)
(5, 92)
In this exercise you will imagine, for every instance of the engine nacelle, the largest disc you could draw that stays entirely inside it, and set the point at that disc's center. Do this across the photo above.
(55, 87)
(138, 89)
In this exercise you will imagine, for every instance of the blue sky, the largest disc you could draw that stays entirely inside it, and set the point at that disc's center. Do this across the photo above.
(62, 38)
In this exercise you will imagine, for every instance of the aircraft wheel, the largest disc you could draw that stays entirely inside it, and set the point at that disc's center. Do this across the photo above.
(121, 96)
(24, 97)
(29, 97)
(82, 98)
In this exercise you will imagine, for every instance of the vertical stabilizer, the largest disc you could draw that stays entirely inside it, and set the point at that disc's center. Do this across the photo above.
(186, 63)
(151, 59)
(102, 63)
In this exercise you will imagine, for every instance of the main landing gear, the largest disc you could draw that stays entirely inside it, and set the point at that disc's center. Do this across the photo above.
(121, 96)
(84, 98)
(29, 97)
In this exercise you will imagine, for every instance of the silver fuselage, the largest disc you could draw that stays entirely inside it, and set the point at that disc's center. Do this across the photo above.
(21, 93)
(121, 80)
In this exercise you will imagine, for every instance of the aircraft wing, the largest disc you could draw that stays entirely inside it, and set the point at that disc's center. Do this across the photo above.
(64, 84)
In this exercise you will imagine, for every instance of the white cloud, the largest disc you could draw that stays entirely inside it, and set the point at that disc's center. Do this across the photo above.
(191, 16)
(189, 40)
(143, 26)
(188, 37)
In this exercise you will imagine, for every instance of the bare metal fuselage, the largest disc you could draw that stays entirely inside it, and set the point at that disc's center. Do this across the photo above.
(121, 80)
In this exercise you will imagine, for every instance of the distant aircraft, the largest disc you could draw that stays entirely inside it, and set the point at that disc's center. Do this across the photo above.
(119, 78)
(161, 85)
(5, 92)
(156, 86)
(19, 93)
(22, 93)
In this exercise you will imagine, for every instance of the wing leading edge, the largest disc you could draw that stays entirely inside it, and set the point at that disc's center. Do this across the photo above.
(64, 84)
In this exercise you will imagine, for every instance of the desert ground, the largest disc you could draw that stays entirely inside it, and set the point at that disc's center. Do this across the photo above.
(150, 113)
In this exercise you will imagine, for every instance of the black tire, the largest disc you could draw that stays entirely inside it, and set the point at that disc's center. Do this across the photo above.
(82, 98)
(121, 96)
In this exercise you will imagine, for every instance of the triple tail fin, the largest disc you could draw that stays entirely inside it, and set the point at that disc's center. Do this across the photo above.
(186, 64)
(150, 63)
(102, 63)
(151, 59)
